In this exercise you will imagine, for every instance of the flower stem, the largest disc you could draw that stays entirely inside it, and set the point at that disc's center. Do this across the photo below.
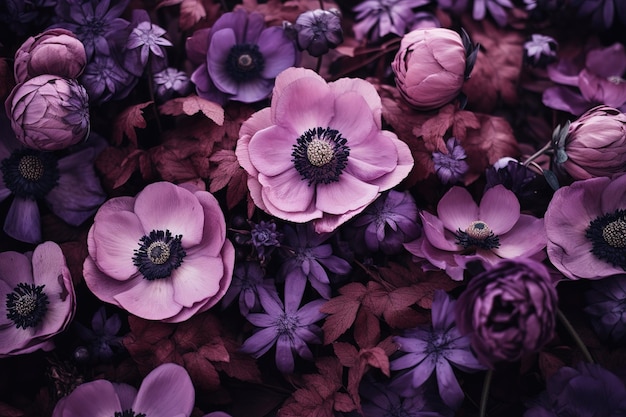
(574, 334)
(537, 154)
(485, 394)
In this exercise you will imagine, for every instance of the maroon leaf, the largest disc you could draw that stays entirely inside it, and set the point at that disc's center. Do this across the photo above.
(126, 123)
(342, 311)
(191, 105)
(202, 372)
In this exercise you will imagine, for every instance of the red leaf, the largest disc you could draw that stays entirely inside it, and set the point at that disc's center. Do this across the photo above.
(128, 166)
(342, 311)
(228, 173)
(191, 105)
(549, 364)
(202, 372)
(191, 12)
(215, 351)
(347, 353)
(377, 358)
(366, 328)
(344, 403)
(126, 123)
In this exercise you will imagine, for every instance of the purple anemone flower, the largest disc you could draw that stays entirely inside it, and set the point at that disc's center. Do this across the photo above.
(378, 18)
(238, 58)
(606, 307)
(165, 392)
(265, 238)
(433, 349)
(316, 31)
(586, 228)
(68, 185)
(451, 167)
(463, 231)
(288, 326)
(307, 255)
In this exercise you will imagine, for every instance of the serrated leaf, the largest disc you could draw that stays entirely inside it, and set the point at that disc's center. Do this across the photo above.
(192, 104)
(126, 123)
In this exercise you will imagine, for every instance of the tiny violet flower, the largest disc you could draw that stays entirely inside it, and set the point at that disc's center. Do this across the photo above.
(434, 349)
(463, 231)
(106, 80)
(288, 326)
(37, 299)
(497, 9)
(145, 44)
(606, 307)
(238, 58)
(165, 392)
(540, 50)
(102, 338)
(307, 256)
(317, 31)
(265, 237)
(376, 19)
(171, 83)
(451, 167)
(247, 278)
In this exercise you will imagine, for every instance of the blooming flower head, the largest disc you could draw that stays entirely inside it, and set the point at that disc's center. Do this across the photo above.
(451, 167)
(378, 18)
(464, 231)
(581, 87)
(289, 327)
(594, 145)
(165, 392)
(434, 349)
(105, 79)
(145, 41)
(540, 49)
(247, 278)
(162, 255)
(49, 112)
(606, 307)
(102, 338)
(238, 58)
(36, 299)
(586, 228)
(586, 390)
(170, 83)
(509, 310)
(317, 31)
(318, 153)
(265, 237)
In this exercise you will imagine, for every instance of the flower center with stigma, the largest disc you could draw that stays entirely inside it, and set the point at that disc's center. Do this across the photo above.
(437, 343)
(320, 155)
(29, 173)
(477, 235)
(286, 325)
(397, 410)
(607, 234)
(159, 254)
(27, 305)
(128, 413)
(245, 62)
(616, 79)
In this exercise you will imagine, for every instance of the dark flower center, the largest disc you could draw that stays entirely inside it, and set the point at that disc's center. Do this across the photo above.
(286, 325)
(397, 410)
(320, 155)
(128, 413)
(607, 234)
(27, 305)
(159, 254)
(477, 235)
(245, 62)
(29, 173)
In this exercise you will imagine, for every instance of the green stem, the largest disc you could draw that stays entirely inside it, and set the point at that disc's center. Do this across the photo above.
(485, 394)
(537, 154)
(574, 334)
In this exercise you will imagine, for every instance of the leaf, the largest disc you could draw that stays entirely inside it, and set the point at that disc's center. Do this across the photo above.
(342, 311)
(109, 164)
(192, 104)
(228, 173)
(348, 354)
(549, 364)
(191, 12)
(128, 166)
(126, 123)
(366, 328)
(202, 372)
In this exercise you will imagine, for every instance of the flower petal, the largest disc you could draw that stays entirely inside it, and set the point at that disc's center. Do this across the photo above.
(284, 355)
(151, 300)
(278, 51)
(500, 209)
(457, 209)
(287, 191)
(222, 42)
(23, 221)
(165, 392)
(526, 238)
(96, 398)
(349, 193)
(270, 150)
(197, 279)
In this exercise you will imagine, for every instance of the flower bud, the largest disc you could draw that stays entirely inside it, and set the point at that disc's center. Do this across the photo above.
(55, 51)
(317, 31)
(431, 66)
(595, 145)
(48, 112)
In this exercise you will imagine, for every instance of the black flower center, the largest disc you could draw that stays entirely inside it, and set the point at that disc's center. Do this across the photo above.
(29, 173)
(159, 254)
(477, 235)
(245, 62)
(607, 234)
(128, 413)
(27, 305)
(320, 155)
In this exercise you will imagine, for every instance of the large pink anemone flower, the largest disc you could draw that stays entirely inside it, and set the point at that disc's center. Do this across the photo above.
(37, 299)
(162, 255)
(586, 228)
(167, 391)
(318, 153)
(463, 231)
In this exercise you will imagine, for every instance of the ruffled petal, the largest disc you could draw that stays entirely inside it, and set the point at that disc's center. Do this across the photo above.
(103, 286)
(197, 279)
(287, 191)
(269, 150)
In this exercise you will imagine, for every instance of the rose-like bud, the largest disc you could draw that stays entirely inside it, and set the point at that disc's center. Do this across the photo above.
(594, 145)
(55, 51)
(317, 31)
(509, 310)
(49, 112)
(431, 66)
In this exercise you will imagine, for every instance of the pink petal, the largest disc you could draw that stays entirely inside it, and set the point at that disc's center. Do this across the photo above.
(197, 279)
(526, 238)
(14, 339)
(374, 159)
(258, 121)
(126, 395)
(614, 195)
(285, 78)
(349, 193)
(457, 209)
(287, 191)
(270, 150)
(151, 300)
(436, 234)
(365, 90)
(165, 206)
(103, 286)
(309, 213)
(403, 167)
(23, 221)
(500, 209)
(15, 268)
(166, 391)
(353, 119)
(96, 398)
(214, 226)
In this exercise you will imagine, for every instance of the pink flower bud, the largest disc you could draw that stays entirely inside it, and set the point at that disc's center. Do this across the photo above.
(596, 144)
(49, 112)
(55, 51)
(430, 67)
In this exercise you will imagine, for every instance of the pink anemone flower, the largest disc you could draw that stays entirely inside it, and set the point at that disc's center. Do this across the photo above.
(162, 255)
(318, 153)
(36, 299)
(167, 391)
(463, 231)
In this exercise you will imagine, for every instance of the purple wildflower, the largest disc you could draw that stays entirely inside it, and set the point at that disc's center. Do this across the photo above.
(451, 167)
(238, 58)
(264, 237)
(603, 13)
(497, 9)
(102, 338)
(171, 83)
(248, 277)
(307, 255)
(289, 327)
(145, 44)
(378, 18)
(105, 79)
(317, 31)
(433, 349)
(540, 50)
(606, 307)
(389, 222)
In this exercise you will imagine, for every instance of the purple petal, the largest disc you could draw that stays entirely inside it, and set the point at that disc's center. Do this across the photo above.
(23, 221)
(277, 50)
(284, 356)
(449, 388)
